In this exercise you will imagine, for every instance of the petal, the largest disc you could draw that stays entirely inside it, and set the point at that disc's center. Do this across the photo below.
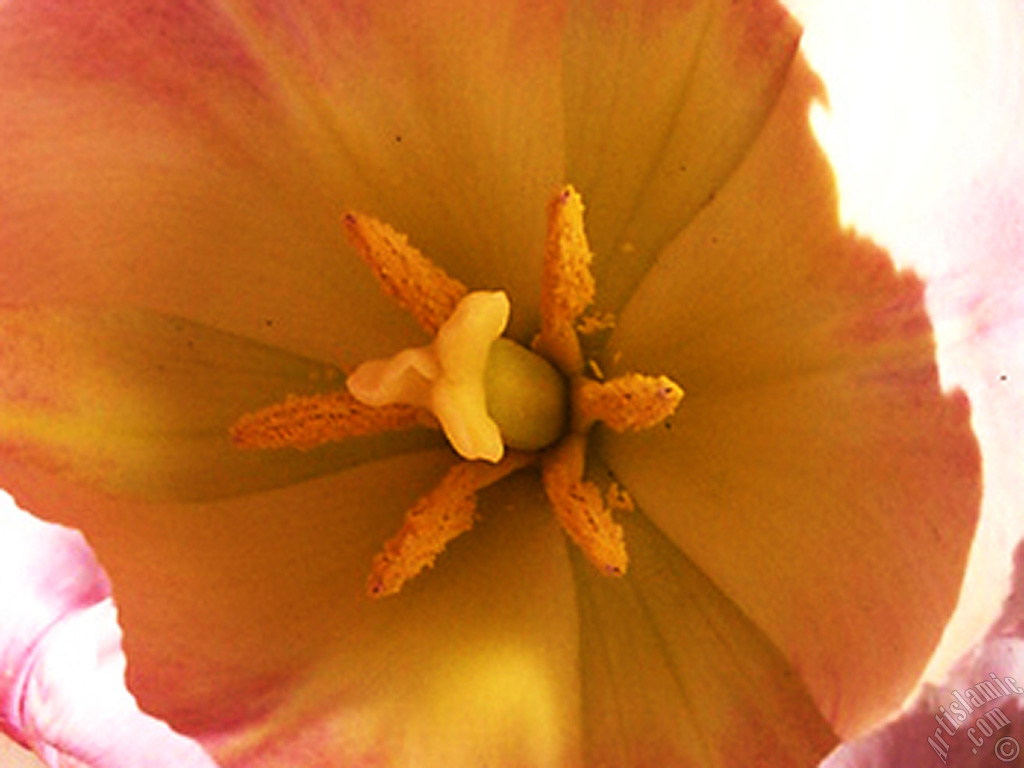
(814, 471)
(675, 674)
(458, 134)
(663, 102)
(63, 687)
(76, 703)
(14, 756)
(166, 191)
(254, 612)
(140, 404)
(970, 720)
(215, 146)
(922, 128)
(46, 574)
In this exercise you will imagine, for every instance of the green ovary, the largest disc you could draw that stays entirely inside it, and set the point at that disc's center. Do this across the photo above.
(527, 397)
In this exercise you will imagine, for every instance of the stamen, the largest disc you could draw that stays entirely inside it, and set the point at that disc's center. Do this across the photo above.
(437, 518)
(630, 402)
(567, 286)
(307, 421)
(578, 506)
(417, 285)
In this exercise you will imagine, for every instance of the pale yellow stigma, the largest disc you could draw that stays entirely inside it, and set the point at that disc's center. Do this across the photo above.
(486, 392)
(447, 376)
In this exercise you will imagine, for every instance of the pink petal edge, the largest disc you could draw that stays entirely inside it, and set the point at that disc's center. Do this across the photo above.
(989, 678)
(946, 201)
(62, 690)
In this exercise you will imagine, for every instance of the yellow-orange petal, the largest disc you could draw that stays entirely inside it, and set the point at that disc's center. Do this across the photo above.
(141, 404)
(215, 145)
(817, 474)
(448, 135)
(663, 102)
(246, 621)
(675, 674)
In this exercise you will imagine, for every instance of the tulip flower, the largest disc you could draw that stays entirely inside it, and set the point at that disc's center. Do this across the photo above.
(177, 180)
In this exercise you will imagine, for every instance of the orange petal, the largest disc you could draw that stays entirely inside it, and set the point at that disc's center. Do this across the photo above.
(674, 674)
(922, 128)
(962, 720)
(253, 612)
(196, 159)
(140, 404)
(664, 100)
(815, 471)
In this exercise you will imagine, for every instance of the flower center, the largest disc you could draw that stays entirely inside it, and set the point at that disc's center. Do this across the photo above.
(502, 407)
(487, 391)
